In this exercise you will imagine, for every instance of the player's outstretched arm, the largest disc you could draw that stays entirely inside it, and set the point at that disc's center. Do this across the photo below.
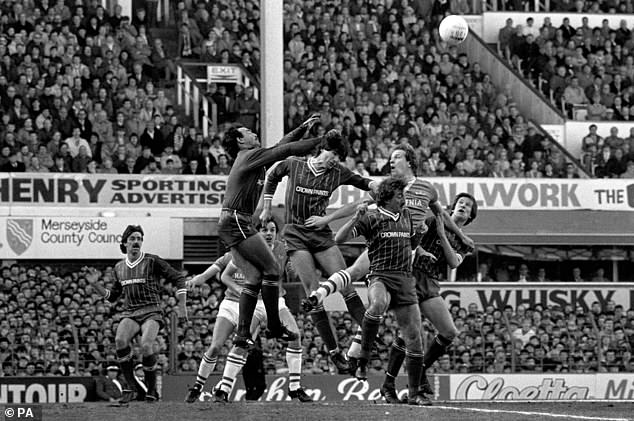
(453, 259)
(92, 277)
(349, 230)
(273, 178)
(209, 273)
(319, 222)
(300, 131)
(178, 279)
(437, 209)
(257, 158)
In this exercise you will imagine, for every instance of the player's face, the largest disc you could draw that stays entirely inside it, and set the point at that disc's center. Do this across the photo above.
(270, 232)
(398, 163)
(463, 207)
(249, 139)
(134, 243)
(329, 158)
(397, 202)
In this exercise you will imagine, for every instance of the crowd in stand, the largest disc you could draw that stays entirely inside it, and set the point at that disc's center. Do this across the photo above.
(54, 323)
(589, 66)
(608, 155)
(82, 90)
(384, 78)
(85, 91)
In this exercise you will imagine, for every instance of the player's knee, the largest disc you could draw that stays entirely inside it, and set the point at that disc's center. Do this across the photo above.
(450, 334)
(271, 272)
(378, 306)
(120, 343)
(147, 348)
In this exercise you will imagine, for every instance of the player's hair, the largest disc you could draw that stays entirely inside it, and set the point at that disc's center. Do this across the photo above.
(130, 229)
(388, 188)
(260, 225)
(230, 141)
(410, 156)
(474, 207)
(337, 144)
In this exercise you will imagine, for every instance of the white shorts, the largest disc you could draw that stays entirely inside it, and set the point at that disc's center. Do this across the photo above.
(260, 311)
(230, 310)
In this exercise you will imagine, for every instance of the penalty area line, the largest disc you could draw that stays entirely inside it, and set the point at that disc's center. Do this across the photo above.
(542, 414)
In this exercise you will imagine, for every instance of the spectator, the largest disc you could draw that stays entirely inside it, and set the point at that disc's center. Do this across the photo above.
(108, 387)
(222, 168)
(76, 142)
(13, 164)
(248, 109)
(576, 275)
(600, 276)
(169, 167)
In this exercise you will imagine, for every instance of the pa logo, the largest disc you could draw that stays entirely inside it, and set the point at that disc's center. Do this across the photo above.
(630, 195)
(19, 234)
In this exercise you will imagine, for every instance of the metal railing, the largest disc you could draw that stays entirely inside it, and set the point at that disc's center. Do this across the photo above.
(527, 6)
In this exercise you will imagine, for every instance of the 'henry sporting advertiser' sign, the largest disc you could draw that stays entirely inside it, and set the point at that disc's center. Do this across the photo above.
(85, 238)
(207, 192)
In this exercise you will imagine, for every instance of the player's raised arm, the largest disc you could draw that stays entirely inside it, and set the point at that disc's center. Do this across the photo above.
(437, 209)
(453, 259)
(177, 278)
(273, 178)
(354, 227)
(211, 272)
(362, 183)
(319, 222)
(300, 131)
(112, 294)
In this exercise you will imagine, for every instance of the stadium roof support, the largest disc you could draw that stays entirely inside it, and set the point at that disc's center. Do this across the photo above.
(272, 86)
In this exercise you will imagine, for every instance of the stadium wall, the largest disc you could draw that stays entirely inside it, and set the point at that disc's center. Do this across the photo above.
(46, 389)
(499, 295)
(447, 387)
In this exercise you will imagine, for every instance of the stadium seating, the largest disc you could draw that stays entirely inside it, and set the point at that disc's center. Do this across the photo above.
(416, 90)
(53, 323)
(584, 71)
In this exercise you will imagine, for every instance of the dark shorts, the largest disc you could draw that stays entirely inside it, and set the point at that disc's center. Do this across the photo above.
(426, 287)
(234, 227)
(400, 285)
(297, 237)
(142, 315)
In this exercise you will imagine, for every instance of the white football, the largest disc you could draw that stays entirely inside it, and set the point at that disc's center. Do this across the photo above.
(453, 29)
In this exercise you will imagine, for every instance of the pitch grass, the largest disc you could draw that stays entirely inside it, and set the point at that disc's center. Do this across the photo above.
(346, 411)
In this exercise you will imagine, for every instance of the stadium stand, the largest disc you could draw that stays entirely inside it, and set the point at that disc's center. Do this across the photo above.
(53, 323)
(585, 71)
(110, 77)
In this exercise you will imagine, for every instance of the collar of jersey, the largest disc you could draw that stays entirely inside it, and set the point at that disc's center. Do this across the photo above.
(389, 214)
(136, 262)
(410, 183)
(311, 166)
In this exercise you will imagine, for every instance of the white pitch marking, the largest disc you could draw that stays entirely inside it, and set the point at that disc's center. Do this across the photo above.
(543, 414)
